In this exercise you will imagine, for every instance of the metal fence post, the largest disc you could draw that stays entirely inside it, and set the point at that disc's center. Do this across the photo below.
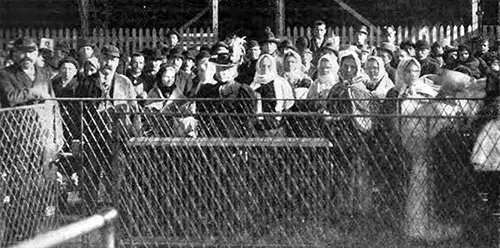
(108, 236)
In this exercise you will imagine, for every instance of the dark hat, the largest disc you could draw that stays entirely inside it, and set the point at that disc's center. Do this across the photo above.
(363, 29)
(25, 44)
(287, 43)
(302, 41)
(203, 54)
(190, 54)
(174, 32)
(222, 60)
(388, 47)
(269, 37)
(406, 44)
(252, 44)
(110, 50)
(157, 54)
(422, 44)
(83, 42)
(176, 52)
(63, 46)
(329, 46)
(205, 48)
(45, 52)
(220, 48)
(69, 60)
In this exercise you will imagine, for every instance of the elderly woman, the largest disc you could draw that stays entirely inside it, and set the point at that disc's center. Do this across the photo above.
(379, 83)
(294, 74)
(327, 78)
(273, 92)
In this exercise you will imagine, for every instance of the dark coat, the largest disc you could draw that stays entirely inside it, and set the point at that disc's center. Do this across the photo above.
(474, 65)
(15, 86)
(246, 72)
(429, 67)
(391, 72)
(68, 90)
(492, 86)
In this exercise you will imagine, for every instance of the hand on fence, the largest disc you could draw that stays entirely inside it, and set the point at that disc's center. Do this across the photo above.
(38, 92)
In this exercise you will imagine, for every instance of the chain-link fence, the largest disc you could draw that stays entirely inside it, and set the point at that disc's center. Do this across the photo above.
(368, 173)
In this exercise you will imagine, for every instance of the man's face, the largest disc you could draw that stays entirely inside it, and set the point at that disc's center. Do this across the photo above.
(59, 53)
(188, 65)
(68, 71)
(254, 53)
(319, 31)
(168, 77)
(86, 52)
(269, 47)
(423, 53)
(109, 64)
(400, 55)
(156, 65)
(89, 69)
(137, 64)
(25, 58)
(173, 40)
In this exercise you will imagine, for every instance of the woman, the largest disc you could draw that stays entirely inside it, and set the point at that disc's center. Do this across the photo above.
(273, 92)
(295, 75)
(327, 78)
(379, 83)
(467, 59)
(351, 133)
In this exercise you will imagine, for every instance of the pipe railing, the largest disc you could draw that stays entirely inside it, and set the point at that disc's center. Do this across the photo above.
(104, 221)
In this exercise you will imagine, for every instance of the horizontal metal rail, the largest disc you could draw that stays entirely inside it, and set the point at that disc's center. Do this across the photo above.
(65, 234)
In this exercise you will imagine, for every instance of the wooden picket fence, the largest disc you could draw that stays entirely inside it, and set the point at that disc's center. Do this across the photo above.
(128, 40)
(458, 34)
(136, 39)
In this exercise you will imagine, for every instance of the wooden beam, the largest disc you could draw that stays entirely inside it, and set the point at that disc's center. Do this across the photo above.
(83, 9)
(195, 18)
(215, 19)
(280, 17)
(354, 13)
(475, 21)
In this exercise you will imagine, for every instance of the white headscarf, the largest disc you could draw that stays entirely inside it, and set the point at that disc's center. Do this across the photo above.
(298, 73)
(261, 78)
(320, 87)
(382, 82)
(349, 53)
(419, 87)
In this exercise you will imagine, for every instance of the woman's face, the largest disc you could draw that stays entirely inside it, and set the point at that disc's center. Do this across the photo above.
(168, 77)
(372, 68)
(291, 64)
(265, 66)
(411, 73)
(463, 55)
(325, 67)
(348, 68)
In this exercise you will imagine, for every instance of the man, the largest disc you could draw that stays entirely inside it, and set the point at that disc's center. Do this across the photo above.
(386, 52)
(319, 40)
(389, 35)
(153, 63)
(361, 36)
(189, 65)
(270, 46)
(482, 52)
(173, 41)
(306, 55)
(183, 81)
(246, 71)
(24, 82)
(423, 49)
(141, 83)
(107, 84)
(85, 50)
(409, 47)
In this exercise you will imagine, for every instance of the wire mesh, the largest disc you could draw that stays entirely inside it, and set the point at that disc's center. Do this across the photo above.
(366, 172)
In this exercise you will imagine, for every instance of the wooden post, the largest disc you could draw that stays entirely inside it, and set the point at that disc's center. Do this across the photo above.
(83, 9)
(215, 19)
(475, 21)
(280, 17)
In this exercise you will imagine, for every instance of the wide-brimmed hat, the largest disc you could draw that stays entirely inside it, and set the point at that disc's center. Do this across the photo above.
(222, 61)
(176, 52)
(25, 44)
(83, 42)
(220, 48)
(287, 43)
(252, 43)
(269, 37)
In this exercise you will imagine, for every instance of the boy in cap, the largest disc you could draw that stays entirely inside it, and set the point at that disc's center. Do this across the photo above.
(422, 49)
(24, 82)
(361, 36)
